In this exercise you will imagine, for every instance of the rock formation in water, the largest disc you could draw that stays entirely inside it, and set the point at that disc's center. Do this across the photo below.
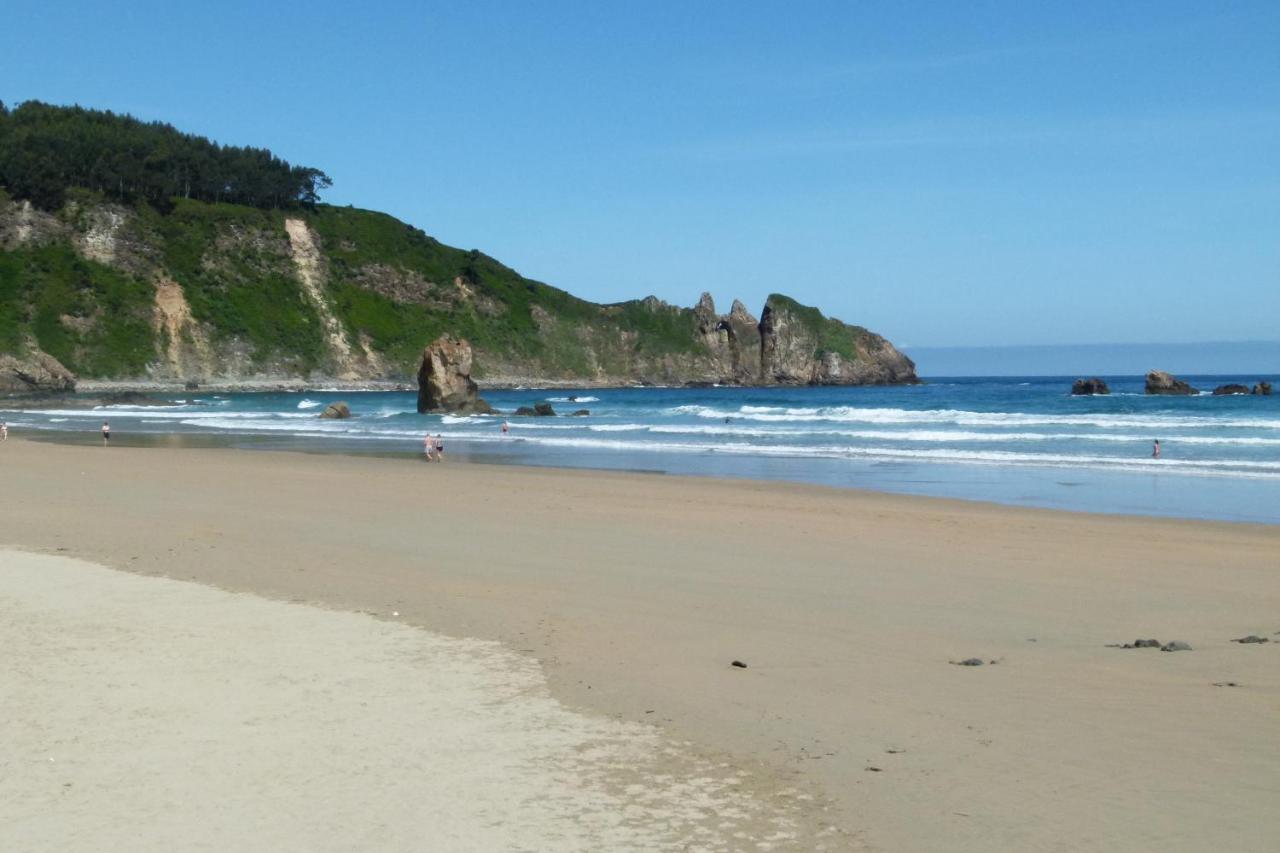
(336, 411)
(1159, 382)
(1262, 388)
(444, 379)
(1086, 387)
(1231, 388)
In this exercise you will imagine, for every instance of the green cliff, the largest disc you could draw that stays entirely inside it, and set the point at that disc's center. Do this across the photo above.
(129, 280)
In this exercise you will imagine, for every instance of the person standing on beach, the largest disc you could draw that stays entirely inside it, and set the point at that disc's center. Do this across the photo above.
(1155, 450)
(439, 447)
(4, 430)
(428, 448)
(106, 433)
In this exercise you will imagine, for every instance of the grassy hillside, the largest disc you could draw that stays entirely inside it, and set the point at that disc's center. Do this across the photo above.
(388, 283)
(130, 249)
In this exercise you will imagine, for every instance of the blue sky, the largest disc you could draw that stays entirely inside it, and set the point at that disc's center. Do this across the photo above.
(944, 173)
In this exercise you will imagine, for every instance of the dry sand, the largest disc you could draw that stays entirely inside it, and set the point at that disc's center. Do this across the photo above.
(634, 592)
(147, 714)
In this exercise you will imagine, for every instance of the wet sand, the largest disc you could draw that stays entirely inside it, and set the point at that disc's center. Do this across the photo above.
(634, 593)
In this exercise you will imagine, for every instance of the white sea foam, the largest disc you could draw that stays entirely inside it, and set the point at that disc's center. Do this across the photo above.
(620, 427)
(573, 399)
(309, 404)
(1269, 469)
(939, 436)
(853, 414)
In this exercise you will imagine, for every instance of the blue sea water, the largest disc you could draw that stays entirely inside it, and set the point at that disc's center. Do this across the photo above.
(1019, 440)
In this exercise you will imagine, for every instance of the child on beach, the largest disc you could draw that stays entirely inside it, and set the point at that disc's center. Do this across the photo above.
(439, 447)
(4, 430)
(429, 448)
(106, 433)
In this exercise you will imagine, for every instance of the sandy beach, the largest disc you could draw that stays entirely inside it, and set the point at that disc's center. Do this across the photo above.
(575, 608)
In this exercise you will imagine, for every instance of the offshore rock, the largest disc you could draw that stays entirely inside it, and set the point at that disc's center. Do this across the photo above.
(1159, 382)
(1262, 389)
(1232, 388)
(38, 372)
(444, 379)
(336, 411)
(1086, 387)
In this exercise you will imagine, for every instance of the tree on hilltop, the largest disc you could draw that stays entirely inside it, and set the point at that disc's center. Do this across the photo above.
(46, 150)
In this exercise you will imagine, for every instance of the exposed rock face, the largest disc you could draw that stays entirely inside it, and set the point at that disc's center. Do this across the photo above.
(21, 225)
(1223, 390)
(798, 346)
(336, 411)
(791, 344)
(1159, 382)
(444, 380)
(37, 372)
(348, 288)
(544, 410)
(1085, 387)
(743, 332)
(1262, 388)
(312, 274)
(785, 350)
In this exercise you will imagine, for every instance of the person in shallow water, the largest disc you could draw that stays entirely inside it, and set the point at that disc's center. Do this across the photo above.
(429, 448)
(106, 433)
(1155, 450)
(439, 447)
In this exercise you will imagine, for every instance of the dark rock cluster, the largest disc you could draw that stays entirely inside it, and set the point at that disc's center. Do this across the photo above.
(1086, 387)
(1159, 382)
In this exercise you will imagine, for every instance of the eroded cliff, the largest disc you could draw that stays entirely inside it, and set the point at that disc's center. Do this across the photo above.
(217, 292)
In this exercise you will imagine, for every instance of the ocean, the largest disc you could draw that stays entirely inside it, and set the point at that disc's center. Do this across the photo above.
(1017, 440)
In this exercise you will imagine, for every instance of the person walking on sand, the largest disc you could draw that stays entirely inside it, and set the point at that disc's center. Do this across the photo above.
(4, 430)
(428, 448)
(439, 447)
(1155, 450)
(106, 433)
